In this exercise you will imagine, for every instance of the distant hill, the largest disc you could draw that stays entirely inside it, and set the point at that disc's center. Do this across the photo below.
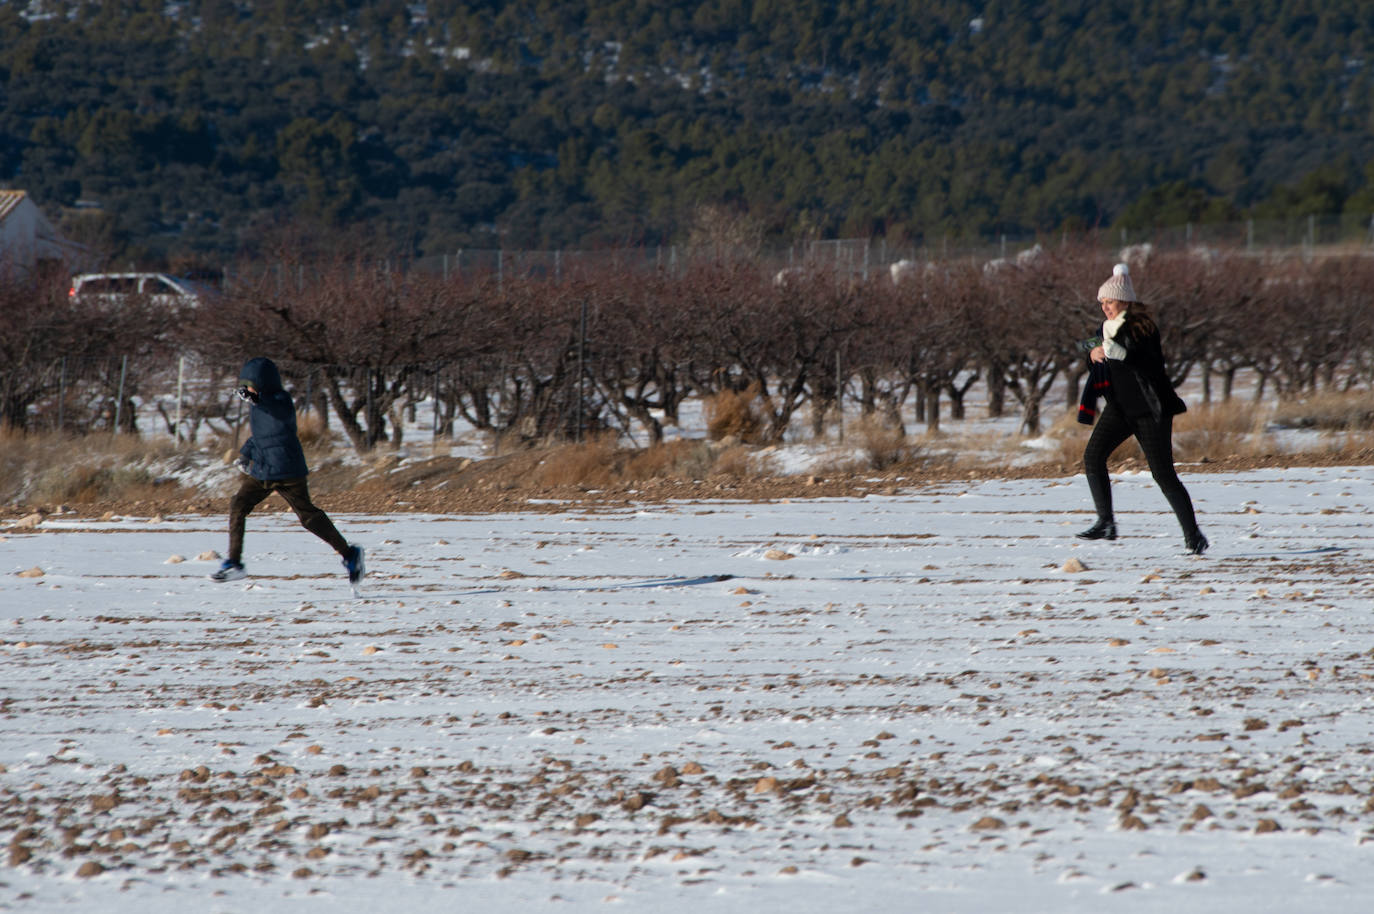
(199, 125)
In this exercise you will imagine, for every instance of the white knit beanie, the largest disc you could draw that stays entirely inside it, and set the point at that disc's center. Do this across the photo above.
(1119, 287)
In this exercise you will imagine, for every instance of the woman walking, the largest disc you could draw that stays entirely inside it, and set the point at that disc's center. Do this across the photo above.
(1141, 402)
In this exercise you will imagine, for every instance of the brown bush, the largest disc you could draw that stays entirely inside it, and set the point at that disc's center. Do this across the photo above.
(51, 468)
(1332, 411)
(1231, 428)
(1072, 436)
(590, 463)
(740, 461)
(736, 414)
(600, 462)
(884, 446)
(670, 460)
(312, 430)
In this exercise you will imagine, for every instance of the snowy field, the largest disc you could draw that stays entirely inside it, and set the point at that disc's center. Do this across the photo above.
(903, 703)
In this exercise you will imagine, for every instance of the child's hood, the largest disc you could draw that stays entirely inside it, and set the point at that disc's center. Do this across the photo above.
(262, 374)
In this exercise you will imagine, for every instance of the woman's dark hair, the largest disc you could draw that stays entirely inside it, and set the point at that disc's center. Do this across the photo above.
(1139, 319)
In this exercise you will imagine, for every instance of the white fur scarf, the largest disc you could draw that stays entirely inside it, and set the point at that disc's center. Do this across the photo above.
(1110, 346)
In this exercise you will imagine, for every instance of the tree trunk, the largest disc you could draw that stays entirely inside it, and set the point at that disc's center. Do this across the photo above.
(1030, 416)
(931, 396)
(997, 392)
(1074, 388)
(346, 417)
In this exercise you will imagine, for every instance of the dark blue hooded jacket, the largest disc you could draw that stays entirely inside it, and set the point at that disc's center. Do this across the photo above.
(274, 451)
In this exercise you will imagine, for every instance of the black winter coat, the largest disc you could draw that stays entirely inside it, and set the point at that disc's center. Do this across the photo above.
(274, 450)
(1140, 385)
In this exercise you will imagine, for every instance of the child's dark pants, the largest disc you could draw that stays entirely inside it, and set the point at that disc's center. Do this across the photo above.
(297, 495)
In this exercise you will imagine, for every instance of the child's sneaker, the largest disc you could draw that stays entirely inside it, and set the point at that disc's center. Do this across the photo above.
(230, 570)
(354, 563)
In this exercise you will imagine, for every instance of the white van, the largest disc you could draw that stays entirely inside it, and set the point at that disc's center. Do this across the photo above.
(159, 288)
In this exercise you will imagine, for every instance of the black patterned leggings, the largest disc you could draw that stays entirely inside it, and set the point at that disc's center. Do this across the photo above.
(1156, 440)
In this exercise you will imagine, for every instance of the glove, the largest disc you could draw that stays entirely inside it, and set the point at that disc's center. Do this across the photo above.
(244, 466)
(247, 393)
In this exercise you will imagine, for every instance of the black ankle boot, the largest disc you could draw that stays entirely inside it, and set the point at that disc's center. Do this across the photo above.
(1104, 529)
(1196, 542)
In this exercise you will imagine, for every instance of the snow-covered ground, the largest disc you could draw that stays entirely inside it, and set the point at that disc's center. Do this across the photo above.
(895, 703)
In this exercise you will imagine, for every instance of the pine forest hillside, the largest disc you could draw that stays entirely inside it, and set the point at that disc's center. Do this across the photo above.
(184, 130)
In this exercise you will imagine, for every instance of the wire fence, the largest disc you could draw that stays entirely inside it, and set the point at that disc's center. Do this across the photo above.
(1309, 236)
(129, 394)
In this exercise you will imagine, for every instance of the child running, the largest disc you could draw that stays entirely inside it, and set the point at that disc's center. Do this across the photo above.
(273, 461)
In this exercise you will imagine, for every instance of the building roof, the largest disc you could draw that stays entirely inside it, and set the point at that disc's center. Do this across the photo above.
(9, 199)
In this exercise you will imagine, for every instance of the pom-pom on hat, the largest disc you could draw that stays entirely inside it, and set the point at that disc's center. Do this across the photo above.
(1119, 287)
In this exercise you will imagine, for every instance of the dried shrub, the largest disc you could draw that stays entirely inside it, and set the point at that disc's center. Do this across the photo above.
(737, 415)
(1329, 411)
(671, 460)
(837, 466)
(1354, 447)
(600, 462)
(87, 484)
(312, 430)
(884, 445)
(589, 463)
(1071, 437)
(1215, 431)
(50, 468)
(740, 461)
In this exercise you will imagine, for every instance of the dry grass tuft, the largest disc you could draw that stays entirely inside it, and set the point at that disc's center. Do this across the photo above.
(737, 415)
(312, 430)
(1351, 411)
(589, 463)
(1350, 447)
(1228, 429)
(884, 446)
(1071, 436)
(48, 468)
(600, 462)
(671, 460)
(742, 462)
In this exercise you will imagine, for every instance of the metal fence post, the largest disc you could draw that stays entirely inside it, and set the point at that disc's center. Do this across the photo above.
(434, 439)
(61, 394)
(119, 400)
(371, 419)
(181, 375)
(839, 395)
(581, 367)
